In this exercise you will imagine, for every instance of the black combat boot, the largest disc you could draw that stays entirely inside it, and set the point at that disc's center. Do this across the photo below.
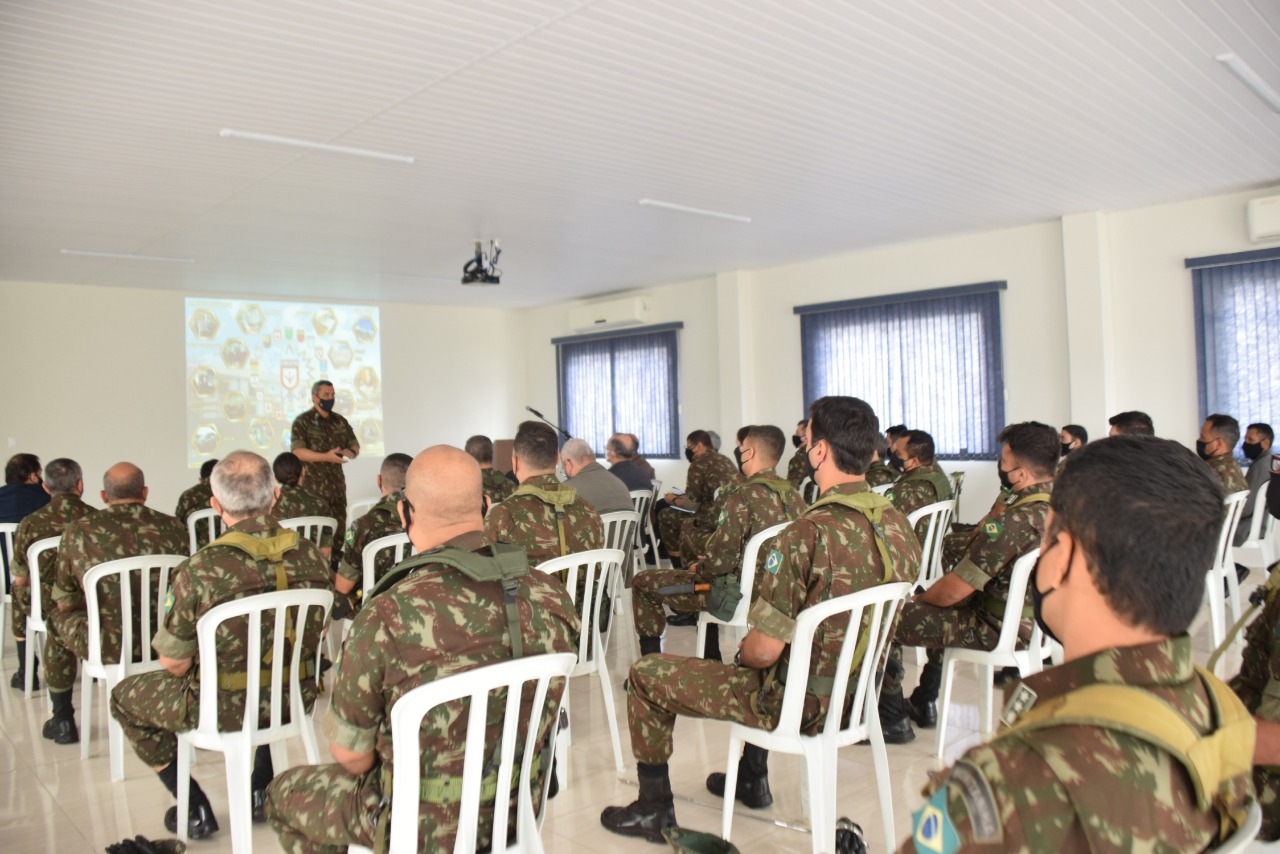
(649, 645)
(200, 819)
(923, 706)
(61, 728)
(19, 679)
(711, 647)
(651, 812)
(263, 771)
(753, 779)
(895, 712)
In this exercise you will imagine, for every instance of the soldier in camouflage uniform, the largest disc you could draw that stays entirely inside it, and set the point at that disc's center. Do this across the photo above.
(435, 622)
(1258, 685)
(965, 607)
(923, 481)
(382, 520)
(497, 486)
(1216, 446)
(126, 528)
(708, 472)
(880, 472)
(296, 500)
(324, 440)
(544, 517)
(1084, 765)
(832, 550)
(153, 707)
(65, 483)
(760, 502)
(797, 471)
(197, 498)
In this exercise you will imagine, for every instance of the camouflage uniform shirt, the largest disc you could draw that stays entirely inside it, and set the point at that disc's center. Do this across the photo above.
(917, 489)
(1258, 686)
(1229, 473)
(749, 508)
(497, 487)
(382, 520)
(880, 473)
(313, 431)
(529, 522)
(49, 521)
(710, 472)
(797, 471)
(195, 498)
(1080, 788)
(829, 551)
(294, 501)
(1003, 536)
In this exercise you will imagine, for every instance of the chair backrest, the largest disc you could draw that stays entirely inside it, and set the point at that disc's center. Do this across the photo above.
(867, 613)
(369, 557)
(882, 488)
(213, 527)
(7, 532)
(939, 522)
(150, 611)
(620, 529)
(311, 527)
(517, 677)
(957, 481)
(747, 577)
(356, 509)
(598, 565)
(34, 552)
(1233, 509)
(641, 501)
(1017, 600)
(1262, 524)
(808, 490)
(278, 608)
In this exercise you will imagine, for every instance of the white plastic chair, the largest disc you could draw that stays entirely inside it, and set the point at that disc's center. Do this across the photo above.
(1224, 570)
(478, 685)
(809, 492)
(641, 501)
(238, 746)
(213, 523)
(1262, 548)
(957, 483)
(1243, 838)
(939, 516)
(151, 616)
(747, 579)
(356, 509)
(877, 606)
(368, 566)
(620, 529)
(882, 488)
(311, 527)
(1005, 653)
(7, 532)
(598, 565)
(36, 625)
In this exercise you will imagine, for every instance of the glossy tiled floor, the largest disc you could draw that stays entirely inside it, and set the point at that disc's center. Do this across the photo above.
(52, 801)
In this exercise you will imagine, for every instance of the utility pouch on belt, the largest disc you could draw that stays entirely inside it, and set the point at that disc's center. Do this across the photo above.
(724, 596)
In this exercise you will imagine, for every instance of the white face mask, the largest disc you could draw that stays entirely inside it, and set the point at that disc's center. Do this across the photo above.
(560, 472)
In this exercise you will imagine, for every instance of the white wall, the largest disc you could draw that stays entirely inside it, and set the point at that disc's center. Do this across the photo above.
(107, 383)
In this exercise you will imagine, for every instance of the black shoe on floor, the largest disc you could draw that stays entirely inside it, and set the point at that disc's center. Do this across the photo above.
(19, 680)
(898, 732)
(61, 731)
(751, 792)
(200, 824)
(924, 715)
(640, 819)
(682, 620)
(258, 799)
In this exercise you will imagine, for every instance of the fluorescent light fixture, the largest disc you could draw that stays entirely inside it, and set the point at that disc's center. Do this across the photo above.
(126, 256)
(1250, 78)
(671, 206)
(227, 133)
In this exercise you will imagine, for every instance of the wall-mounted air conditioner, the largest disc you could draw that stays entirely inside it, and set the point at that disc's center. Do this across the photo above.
(609, 314)
(1264, 219)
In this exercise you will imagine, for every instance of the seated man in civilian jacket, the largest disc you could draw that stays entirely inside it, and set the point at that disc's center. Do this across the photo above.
(621, 458)
(595, 484)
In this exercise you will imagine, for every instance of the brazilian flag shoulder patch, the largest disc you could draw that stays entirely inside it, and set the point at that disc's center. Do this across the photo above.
(724, 514)
(351, 535)
(932, 829)
(773, 562)
(168, 602)
(993, 529)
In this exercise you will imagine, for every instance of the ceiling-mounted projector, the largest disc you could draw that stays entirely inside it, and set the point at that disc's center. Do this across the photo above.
(482, 268)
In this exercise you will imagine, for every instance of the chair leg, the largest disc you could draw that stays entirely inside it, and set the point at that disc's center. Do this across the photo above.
(701, 643)
(564, 737)
(115, 742)
(606, 689)
(1217, 607)
(280, 751)
(239, 758)
(87, 696)
(944, 708)
(820, 771)
(730, 786)
(880, 759)
(986, 676)
(184, 785)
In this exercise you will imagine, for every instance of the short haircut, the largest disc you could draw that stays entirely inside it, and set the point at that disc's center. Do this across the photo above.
(1075, 431)
(480, 448)
(802, 423)
(536, 445)
(242, 483)
(742, 433)
(896, 432)
(770, 442)
(578, 451)
(1225, 428)
(131, 487)
(62, 475)
(319, 384)
(1036, 446)
(1263, 430)
(1133, 423)
(882, 446)
(393, 470)
(20, 467)
(287, 468)
(206, 468)
(699, 437)
(715, 439)
(849, 426)
(619, 446)
(1132, 503)
(920, 446)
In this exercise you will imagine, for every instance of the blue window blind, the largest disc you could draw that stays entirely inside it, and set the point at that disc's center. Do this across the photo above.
(621, 383)
(1237, 305)
(929, 359)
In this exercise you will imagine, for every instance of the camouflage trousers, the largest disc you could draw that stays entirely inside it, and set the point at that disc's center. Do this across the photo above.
(660, 687)
(670, 521)
(152, 708)
(935, 628)
(20, 595)
(338, 510)
(1266, 781)
(66, 644)
(693, 541)
(323, 808)
(646, 602)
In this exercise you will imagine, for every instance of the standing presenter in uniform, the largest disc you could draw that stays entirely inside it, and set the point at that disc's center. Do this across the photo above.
(324, 440)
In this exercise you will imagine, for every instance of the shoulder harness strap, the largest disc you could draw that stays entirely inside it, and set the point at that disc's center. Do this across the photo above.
(783, 489)
(870, 505)
(558, 499)
(270, 550)
(940, 482)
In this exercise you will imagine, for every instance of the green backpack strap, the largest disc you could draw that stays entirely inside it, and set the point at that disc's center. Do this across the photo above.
(784, 490)
(270, 550)
(940, 482)
(870, 505)
(558, 499)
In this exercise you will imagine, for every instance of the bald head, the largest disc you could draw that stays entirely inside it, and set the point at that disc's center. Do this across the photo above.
(123, 484)
(443, 485)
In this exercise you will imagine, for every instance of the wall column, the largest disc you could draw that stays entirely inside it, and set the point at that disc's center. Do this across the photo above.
(1090, 324)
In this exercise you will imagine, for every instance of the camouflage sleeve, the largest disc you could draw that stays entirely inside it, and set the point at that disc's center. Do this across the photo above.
(733, 529)
(911, 496)
(356, 712)
(784, 588)
(350, 440)
(498, 525)
(298, 435)
(1261, 661)
(176, 637)
(66, 587)
(998, 544)
(21, 542)
(699, 491)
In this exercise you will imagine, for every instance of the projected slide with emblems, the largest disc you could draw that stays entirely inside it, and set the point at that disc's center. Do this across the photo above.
(251, 363)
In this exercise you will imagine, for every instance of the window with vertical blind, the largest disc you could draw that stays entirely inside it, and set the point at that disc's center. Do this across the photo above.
(623, 382)
(929, 359)
(1237, 306)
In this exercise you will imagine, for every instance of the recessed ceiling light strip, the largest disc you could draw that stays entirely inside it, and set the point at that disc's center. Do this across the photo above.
(227, 133)
(1250, 78)
(671, 206)
(126, 256)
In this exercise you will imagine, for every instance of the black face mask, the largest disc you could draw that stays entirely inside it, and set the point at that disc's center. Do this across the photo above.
(407, 509)
(1066, 448)
(327, 405)
(810, 470)
(737, 458)
(1252, 450)
(1005, 483)
(688, 454)
(1037, 598)
(1200, 449)
(897, 462)
(796, 441)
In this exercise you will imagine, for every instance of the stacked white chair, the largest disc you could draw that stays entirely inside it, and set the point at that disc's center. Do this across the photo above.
(746, 581)
(620, 529)
(939, 515)
(641, 502)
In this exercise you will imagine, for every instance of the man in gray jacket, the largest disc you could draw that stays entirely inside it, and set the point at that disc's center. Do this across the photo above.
(595, 484)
